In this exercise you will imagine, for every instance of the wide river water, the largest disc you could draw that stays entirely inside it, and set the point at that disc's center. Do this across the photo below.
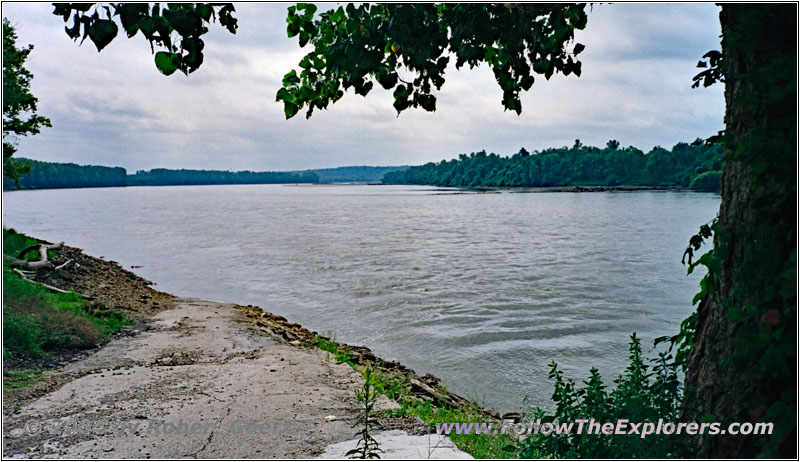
(482, 290)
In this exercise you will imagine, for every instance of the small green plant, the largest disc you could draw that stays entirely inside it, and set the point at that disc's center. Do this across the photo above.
(20, 379)
(367, 447)
(643, 393)
(393, 385)
(491, 446)
(331, 346)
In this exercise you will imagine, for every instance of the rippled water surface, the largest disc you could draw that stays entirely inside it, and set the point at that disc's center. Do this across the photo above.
(482, 290)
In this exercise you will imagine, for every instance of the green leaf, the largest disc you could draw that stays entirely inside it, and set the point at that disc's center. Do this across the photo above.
(388, 81)
(337, 15)
(204, 10)
(289, 109)
(167, 62)
(290, 78)
(310, 9)
(102, 32)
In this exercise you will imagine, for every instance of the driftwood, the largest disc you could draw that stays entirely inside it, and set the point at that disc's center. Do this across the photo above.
(26, 277)
(40, 264)
(28, 269)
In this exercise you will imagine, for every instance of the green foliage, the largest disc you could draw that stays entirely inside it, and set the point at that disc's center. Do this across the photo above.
(579, 165)
(367, 447)
(707, 181)
(37, 322)
(332, 346)
(14, 242)
(59, 175)
(164, 177)
(20, 379)
(354, 174)
(67, 175)
(406, 48)
(19, 105)
(395, 386)
(175, 27)
(643, 393)
(683, 342)
(755, 239)
(491, 446)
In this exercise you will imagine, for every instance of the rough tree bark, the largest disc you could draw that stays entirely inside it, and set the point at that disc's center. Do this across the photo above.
(754, 38)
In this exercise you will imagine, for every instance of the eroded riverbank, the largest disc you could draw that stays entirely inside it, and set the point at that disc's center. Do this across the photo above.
(198, 379)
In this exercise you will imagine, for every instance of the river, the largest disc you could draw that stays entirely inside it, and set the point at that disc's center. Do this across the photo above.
(483, 290)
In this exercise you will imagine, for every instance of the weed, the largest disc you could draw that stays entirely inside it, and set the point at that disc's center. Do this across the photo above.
(640, 396)
(20, 379)
(36, 321)
(332, 346)
(367, 447)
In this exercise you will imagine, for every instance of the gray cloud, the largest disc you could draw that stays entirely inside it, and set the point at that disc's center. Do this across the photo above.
(114, 108)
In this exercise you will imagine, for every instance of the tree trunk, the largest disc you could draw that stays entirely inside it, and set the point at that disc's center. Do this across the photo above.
(742, 321)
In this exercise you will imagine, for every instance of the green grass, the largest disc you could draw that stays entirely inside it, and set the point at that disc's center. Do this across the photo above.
(20, 379)
(332, 346)
(395, 386)
(14, 242)
(479, 446)
(37, 322)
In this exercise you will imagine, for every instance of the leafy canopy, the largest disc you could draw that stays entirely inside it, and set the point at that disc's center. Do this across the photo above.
(19, 105)
(175, 27)
(406, 48)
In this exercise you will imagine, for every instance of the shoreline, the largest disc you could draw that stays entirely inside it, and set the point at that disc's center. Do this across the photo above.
(512, 189)
(180, 327)
(578, 188)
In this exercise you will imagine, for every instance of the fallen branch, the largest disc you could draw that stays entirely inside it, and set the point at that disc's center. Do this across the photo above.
(48, 286)
(25, 251)
(66, 265)
(41, 263)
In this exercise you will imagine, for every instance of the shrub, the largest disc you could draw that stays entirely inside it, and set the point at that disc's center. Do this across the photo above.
(643, 393)
(33, 326)
(707, 181)
(20, 335)
(36, 321)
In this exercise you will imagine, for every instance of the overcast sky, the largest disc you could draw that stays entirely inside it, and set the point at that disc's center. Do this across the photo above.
(114, 108)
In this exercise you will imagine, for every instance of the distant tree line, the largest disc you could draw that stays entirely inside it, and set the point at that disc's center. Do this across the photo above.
(44, 175)
(688, 165)
(167, 177)
(47, 175)
(353, 174)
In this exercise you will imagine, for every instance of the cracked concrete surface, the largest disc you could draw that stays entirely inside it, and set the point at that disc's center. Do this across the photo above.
(201, 383)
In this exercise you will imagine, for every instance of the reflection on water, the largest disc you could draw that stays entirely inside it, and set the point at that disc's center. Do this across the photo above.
(482, 290)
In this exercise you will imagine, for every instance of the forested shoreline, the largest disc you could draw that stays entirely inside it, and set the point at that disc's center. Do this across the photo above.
(167, 177)
(51, 175)
(697, 166)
